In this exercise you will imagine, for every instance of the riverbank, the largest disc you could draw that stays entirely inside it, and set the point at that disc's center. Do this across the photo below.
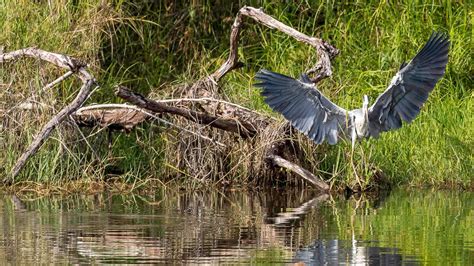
(144, 47)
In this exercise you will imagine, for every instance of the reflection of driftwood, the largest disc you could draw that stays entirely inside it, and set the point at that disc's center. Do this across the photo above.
(63, 61)
(297, 213)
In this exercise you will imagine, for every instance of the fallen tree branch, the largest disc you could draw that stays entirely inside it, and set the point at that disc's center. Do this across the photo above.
(208, 99)
(243, 128)
(112, 116)
(305, 174)
(241, 122)
(324, 50)
(64, 61)
(96, 115)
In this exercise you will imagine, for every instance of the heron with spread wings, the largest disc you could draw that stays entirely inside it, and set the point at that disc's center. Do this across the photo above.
(309, 111)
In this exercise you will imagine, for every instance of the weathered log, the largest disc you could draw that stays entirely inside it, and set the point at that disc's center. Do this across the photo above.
(115, 118)
(243, 128)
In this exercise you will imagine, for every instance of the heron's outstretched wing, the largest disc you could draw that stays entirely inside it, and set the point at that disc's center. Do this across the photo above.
(303, 105)
(410, 87)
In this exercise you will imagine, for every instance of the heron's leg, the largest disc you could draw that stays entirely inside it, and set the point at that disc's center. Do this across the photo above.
(110, 140)
(353, 166)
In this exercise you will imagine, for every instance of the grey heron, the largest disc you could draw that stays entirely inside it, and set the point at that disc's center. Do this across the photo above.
(309, 111)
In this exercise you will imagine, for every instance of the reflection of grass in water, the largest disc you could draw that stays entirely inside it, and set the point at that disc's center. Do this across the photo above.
(374, 38)
(431, 226)
(270, 256)
(434, 226)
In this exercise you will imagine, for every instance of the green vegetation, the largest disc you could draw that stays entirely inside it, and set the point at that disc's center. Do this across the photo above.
(150, 46)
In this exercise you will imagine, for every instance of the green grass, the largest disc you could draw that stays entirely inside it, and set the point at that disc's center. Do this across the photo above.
(150, 46)
(374, 39)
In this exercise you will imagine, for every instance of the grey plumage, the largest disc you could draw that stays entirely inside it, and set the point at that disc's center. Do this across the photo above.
(410, 87)
(309, 111)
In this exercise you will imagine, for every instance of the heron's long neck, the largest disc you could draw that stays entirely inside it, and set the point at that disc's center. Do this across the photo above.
(364, 127)
(365, 106)
(365, 109)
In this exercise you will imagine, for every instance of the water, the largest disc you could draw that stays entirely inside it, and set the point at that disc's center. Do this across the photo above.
(421, 227)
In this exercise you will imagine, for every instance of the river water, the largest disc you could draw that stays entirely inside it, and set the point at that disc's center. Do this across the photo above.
(231, 227)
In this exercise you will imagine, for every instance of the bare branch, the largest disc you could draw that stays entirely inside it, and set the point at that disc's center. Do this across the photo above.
(244, 128)
(305, 174)
(58, 80)
(59, 60)
(135, 109)
(73, 65)
(324, 50)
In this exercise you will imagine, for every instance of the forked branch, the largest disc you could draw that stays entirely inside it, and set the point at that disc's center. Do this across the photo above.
(60, 60)
(325, 51)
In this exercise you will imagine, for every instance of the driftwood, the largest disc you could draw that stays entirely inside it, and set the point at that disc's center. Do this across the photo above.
(60, 60)
(110, 116)
(305, 174)
(241, 122)
(325, 51)
(243, 128)
(212, 112)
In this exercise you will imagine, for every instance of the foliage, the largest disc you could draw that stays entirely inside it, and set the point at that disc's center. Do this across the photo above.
(150, 46)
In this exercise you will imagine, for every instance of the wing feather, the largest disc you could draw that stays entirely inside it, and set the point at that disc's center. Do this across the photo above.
(410, 87)
(303, 105)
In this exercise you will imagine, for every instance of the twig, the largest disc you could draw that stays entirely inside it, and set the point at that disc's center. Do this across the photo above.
(58, 80)
(25, 104)
(324, 50)
(64, 61)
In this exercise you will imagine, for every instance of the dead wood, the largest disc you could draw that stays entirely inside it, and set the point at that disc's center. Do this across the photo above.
(202, 104)
(235, 118)
(113, 118)
(325, 51)
(244, 128)
(60, 60)
(305, 174)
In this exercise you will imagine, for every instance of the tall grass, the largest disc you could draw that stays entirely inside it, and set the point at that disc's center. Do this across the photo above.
(151, 46)
(374, 39)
